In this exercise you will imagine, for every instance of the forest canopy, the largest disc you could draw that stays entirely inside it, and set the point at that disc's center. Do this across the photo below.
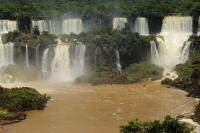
(88, 8)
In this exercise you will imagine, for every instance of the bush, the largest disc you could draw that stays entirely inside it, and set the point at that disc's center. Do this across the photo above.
(169, 125)
(143, 71)
(22, 99)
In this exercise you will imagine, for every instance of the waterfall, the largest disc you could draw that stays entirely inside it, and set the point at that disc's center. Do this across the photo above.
(45, 68)
(78, 59)
(119, 22)
(6, 50)
(27, 57)
(73, 25)
(141, 26)
(60, 66)
(41, 24)
(154, 52)
(68, 62)
(37, 56)
(173, 46)
(118, 61)
(7, 25)
(198, 33)
(51, 26)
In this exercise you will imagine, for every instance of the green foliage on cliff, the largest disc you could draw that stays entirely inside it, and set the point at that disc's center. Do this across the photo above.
(21, 99)
(184, 71)
(195, 46)
(143, 71)
(169, 125)
(189, 77)
(33, 39)
(138, 72)
(98, 8)
(132, 47)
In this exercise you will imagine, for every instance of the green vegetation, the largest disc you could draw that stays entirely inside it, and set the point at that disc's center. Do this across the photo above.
(134, 73)
(143, 71)
(14, 101)
(188, 80)
(3, 114)
(32, 39)
(132, 47)
(186, 73)
(169, 125)
(21, 99)
(195, 46)
(98, 8)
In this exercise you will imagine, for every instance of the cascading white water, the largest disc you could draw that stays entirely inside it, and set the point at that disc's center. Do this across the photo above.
(45, 67)
(119, 22)
(198, 33)
(42, 25)
(78, 60)
(37, 56)
(141, 26)
(7, 25)
(51, 26)
(27, 57)
(7, 54)
(154, 52)
(118, 61)
(60, 66)
(6, 50)
(72, 25)
(173, 47)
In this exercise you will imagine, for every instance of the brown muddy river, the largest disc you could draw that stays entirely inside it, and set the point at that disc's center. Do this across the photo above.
(102, 108)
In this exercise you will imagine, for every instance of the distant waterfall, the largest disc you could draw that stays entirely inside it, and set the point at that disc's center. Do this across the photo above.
(37, 56)
(154, 52)
(119, 22)
(73, 25)
(27, 57)
(141, 26)
(60, 66)
(78, 59)
(6, 50)
(41, 24)
(118, 61)
(51, 26)
(198, 33)
(7, 54)
(67, 63)
(173, 46)
(7, 25)
(45, 67)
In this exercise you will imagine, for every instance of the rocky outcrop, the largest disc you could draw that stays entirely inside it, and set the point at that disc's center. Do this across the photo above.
(17, 117)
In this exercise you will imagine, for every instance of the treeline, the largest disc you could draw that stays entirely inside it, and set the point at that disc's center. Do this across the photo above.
(98, 8)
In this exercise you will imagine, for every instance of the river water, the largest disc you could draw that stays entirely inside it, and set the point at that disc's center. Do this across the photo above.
(100, 109)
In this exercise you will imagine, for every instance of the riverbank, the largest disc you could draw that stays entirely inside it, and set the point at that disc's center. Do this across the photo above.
(1, 129)
(101, 108)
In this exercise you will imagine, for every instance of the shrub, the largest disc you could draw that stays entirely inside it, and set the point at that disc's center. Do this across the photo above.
(169, 125)
(143, 71)
(22, 99)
